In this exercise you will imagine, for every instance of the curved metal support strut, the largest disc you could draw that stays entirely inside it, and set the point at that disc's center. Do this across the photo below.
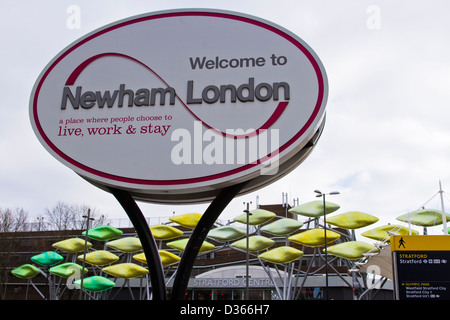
(198, 236)
(147, 240)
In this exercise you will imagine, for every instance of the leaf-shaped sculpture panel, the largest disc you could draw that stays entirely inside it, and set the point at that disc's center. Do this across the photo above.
(187, 220)
(281, 255)
(226, 233)
(95, 284)
(424, 217)
(99, 258)
(314, 237)
(282, 227)
(352, 250)
(255, 243)
(72, 245)
(165, 232)
(103, 233)
(47, 259)
(167, 258)
(256, 217)
(25, 271)
(383, 233)
(181, 245)
(127, 270)
(314, 209)
(140, 257)
(65, 270)
(352, 220)
(126, 244)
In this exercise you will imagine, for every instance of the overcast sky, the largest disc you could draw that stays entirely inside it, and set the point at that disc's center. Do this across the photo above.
(386, 142)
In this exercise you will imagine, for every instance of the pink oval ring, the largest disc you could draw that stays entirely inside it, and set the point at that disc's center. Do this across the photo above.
(208, 28)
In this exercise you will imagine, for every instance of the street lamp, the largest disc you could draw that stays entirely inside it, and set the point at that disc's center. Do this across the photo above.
(318, 195)
(248, 214)
(88, 219)
(41, 220)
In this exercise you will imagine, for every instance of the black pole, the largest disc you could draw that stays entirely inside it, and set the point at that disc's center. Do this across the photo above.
(198, 236)
(147, 240)
(248, 214)
(326, 249)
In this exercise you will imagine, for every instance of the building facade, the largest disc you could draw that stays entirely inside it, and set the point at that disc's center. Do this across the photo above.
(221, 273)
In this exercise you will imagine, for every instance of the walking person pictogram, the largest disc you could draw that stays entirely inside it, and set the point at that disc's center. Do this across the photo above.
(401, 243)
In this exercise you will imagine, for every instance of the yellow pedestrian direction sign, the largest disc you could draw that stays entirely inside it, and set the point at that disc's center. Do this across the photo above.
(421, 267)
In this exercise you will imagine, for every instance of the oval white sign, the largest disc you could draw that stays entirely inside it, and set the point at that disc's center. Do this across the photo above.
(173, 106)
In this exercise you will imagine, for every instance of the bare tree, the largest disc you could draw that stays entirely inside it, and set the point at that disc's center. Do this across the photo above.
(22, 223)
(65, 217)
(13, 220)
(81, 213)
(60, 217)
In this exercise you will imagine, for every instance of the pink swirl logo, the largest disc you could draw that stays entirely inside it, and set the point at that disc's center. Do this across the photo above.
(272, 119)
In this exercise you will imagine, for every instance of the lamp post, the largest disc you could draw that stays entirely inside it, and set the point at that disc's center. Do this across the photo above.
(248, 214)
(41, 220)
(88, 219)
(444, 215)
(320, 194)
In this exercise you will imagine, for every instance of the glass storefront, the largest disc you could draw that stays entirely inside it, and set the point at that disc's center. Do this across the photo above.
(310, 293)
(230, 294)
